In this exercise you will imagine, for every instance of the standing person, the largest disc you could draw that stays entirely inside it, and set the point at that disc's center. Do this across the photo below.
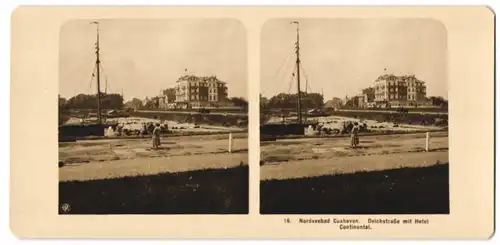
(143, 130)
(156, 136)
(354, 135)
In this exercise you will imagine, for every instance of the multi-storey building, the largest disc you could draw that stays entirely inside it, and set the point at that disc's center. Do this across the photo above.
(163, 100)
(366, 97)
(399, 91)
(200, 92)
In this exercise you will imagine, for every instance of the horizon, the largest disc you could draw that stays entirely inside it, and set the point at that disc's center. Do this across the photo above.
(343, 56)
(144, 57)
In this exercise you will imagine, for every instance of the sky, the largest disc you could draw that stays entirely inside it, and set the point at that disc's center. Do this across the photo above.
(342, 56)
(141, 57)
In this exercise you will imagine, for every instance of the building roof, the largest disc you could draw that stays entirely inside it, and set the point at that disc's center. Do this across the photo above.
(392, 77)
(200, 78)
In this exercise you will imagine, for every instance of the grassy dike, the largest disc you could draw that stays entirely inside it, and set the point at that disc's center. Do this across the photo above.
(422, 190)
(210, 191)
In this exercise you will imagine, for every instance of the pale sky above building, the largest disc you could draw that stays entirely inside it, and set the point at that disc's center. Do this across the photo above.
(144, 56)
(343, 56)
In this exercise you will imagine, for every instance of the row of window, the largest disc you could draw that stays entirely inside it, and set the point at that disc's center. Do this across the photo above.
(391, 89)
(202, 86)
(210, 97)
(197, 90)
(400, 97)
(205, 84)
(405, 83)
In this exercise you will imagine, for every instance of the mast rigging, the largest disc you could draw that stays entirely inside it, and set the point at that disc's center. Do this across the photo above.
(97, 63)
(297, 52)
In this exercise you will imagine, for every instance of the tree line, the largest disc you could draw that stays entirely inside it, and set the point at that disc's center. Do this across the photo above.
(89, 101)
(289, 101)
(439, 101)
(282, 100)
(154, 102)
(316, 100)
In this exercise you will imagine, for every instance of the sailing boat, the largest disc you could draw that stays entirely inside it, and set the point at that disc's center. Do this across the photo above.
(93, 128)
(269, 130)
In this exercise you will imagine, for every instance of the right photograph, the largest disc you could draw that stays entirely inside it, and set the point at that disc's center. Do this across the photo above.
(354, 117)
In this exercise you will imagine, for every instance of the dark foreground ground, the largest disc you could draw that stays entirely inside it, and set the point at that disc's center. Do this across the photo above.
(423, 190)
(219, 191)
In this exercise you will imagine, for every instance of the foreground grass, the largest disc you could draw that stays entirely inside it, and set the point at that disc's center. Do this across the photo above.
(422, 190)
(219, 191)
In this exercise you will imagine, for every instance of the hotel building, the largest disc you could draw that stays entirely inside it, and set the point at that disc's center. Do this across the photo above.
(399, 91)
(200, 92)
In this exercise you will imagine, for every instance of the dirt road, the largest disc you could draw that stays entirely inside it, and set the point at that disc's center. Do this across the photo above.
(101, 159)
(285, 159)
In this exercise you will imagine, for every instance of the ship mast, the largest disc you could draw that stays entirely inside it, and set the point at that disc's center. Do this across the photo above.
(297, 52)
(97, 64)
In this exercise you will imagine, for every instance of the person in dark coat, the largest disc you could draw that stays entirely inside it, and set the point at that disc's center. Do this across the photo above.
(354, 135)
(156, 136)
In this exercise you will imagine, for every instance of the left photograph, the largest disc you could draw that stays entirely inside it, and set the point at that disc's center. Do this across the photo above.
(153, 117)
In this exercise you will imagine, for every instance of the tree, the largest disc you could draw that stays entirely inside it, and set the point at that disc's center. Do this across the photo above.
(309, 101)
(152, 103)
(438, 101)
(62, 102)
(334, 103)
(282, 100)
(134, 104)
(170, 93)
(313, 100)
(239, 102)
(264, 102)
(111, 101)
(85, 101)
(62, 115)
(352, 102)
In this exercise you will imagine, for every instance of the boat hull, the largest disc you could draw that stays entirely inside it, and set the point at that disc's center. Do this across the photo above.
(269, 130)
(70, 132)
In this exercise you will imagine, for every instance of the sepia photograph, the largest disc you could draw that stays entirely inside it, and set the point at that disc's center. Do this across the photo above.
(247, 122)
(153, 116)
(354, 117)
